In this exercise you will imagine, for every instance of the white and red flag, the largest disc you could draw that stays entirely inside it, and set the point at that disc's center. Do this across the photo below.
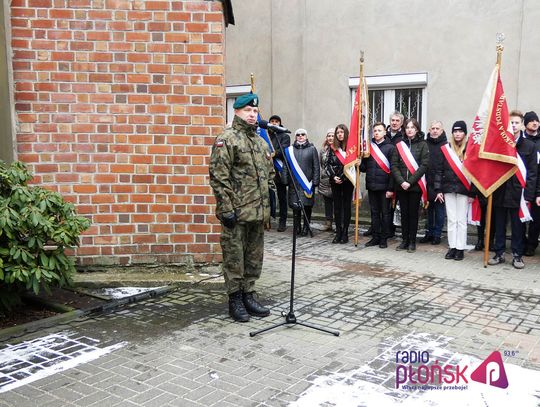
(491, 150)
(358, 140)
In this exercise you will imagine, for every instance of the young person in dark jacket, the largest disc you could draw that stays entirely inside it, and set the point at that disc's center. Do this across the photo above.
(285, 141)
(307, 158)
(506, 198)
(455, 195)
(394, 133)
(532, 133)
(380, 186)
(435, 139)
(342, 188)
(409, 192)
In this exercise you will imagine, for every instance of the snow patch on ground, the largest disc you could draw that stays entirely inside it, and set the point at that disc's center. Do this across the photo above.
(367, 386)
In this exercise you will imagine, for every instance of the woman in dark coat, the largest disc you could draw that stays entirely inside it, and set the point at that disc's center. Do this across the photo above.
(324, 185)
(304, 162)
(409, 192)
(342, 188)
(451, 190)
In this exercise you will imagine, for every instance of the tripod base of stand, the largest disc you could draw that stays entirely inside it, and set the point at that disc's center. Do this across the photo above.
(290, 319)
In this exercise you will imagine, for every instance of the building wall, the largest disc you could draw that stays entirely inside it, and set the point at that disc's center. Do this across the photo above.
(117, 105)
(6, 132)
(303, 53)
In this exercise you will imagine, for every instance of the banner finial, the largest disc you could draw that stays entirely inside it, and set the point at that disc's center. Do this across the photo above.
(499, 39)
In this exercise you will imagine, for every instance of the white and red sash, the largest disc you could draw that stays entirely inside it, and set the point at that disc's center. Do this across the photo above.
(521, 174)
(412, 166)
(456, 165)
(380, 158)
(474, 212)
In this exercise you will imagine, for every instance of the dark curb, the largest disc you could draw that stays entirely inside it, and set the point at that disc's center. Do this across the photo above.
(111, 305)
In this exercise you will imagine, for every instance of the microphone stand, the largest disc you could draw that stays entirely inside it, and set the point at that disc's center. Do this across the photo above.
(290, 318)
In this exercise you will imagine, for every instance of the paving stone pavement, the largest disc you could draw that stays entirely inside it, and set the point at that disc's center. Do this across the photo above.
(182, 349)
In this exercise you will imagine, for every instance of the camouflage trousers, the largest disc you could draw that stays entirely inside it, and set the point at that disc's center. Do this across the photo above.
(242, 249)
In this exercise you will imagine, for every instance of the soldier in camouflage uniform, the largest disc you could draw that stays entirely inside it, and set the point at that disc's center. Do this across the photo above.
(241, 173)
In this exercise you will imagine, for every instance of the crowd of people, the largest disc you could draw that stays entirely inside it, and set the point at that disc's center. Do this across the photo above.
(412, 171)
(252, 178)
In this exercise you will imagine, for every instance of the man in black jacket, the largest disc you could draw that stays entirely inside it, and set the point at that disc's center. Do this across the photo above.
(506, 199)
(436, 212)
(285, 141)
(395, 132)
(532, 133)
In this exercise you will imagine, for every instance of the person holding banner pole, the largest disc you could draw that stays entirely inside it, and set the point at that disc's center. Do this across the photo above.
(409, 166)
(513, 198)
(453, 189)
(342, 187)
(303, 160)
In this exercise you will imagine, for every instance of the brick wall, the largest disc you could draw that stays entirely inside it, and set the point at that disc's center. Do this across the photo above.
(117, 105)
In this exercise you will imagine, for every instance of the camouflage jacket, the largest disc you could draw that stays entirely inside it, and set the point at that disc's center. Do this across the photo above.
(241, 172)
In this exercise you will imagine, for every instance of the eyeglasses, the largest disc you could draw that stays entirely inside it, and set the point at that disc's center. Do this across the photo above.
(301, 134)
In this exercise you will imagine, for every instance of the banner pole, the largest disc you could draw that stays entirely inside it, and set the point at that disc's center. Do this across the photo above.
(360, 150)
(489, 209)
(488, 229)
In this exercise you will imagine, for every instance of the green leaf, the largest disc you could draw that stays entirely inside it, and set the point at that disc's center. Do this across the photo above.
(35, 286)
(44, 259)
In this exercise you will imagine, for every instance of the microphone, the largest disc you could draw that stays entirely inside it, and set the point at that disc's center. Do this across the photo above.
(263, 124)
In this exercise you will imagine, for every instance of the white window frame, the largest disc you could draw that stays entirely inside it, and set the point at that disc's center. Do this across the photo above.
(389, 83)
(232, 92)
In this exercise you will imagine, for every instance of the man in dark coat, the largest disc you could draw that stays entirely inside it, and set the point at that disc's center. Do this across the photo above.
(532, 133)
(436, 212)
(506, 199)
(394, 133)
(279, 139)
(395, 130)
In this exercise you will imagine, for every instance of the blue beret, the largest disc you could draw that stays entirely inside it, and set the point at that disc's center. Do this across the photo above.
(249, 99)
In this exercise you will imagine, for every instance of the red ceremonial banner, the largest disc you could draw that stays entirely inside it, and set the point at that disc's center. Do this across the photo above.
(491, 149)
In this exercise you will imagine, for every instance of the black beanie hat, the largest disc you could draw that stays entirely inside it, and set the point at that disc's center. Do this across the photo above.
(460, 125)
(275, 117)
(529, 117)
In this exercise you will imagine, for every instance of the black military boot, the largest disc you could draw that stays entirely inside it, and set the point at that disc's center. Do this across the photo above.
(253, 307)
(237, 310)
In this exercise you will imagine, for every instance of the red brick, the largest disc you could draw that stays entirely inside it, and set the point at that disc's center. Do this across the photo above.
(157, 5)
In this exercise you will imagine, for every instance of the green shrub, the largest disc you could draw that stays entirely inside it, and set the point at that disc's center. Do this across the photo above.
(36, 227)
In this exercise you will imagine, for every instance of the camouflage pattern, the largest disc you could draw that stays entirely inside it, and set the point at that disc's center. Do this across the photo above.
(241, 173)
(243, 248)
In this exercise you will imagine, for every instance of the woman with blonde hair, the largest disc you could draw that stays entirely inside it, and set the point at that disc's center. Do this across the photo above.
(324, 185)
(454, 189)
